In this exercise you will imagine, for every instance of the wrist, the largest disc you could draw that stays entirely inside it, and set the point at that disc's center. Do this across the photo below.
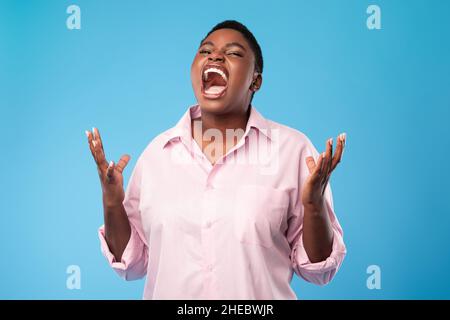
(314, 208)
(111, 204)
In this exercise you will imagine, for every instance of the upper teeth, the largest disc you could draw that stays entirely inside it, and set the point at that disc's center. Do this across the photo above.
(212, 69)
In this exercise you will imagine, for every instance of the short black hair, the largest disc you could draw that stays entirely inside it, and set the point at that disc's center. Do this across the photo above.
(235, 25)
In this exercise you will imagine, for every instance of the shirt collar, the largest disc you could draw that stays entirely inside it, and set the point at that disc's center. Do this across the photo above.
(182, 130)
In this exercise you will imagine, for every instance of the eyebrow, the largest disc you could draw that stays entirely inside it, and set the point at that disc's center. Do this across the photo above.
(230, 44)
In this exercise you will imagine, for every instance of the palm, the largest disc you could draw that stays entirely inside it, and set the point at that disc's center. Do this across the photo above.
(320, 172)
(110, 175)
(113, 185)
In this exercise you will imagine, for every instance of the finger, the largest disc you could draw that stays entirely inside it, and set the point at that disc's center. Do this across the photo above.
(339, 150)
(98, 140)
(98, 147)
(327, 159)
(110, 171)
(123, 162)
(320, 162)
(91, 145)
(97, 137)
(311, 164)
(325, 184)
(317, 172)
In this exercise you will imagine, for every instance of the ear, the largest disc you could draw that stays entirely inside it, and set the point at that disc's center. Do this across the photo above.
(257, 82)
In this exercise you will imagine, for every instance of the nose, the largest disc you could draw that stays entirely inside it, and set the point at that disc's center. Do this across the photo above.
(216, 56)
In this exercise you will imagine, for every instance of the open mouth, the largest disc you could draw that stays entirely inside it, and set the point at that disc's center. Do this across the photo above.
(214, 81)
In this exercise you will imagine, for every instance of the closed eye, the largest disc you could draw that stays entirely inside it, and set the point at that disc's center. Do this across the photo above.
(204, 51)
(235, 54)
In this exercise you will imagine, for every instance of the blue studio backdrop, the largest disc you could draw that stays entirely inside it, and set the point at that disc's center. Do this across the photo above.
(125, 69)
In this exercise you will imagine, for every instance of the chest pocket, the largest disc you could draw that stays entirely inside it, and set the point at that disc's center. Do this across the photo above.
(258, 213)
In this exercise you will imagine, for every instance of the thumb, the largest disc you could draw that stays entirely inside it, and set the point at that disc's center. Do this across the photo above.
(123, 162)
(310, 163)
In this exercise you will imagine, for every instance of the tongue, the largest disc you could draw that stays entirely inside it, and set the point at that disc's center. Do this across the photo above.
(215, 90)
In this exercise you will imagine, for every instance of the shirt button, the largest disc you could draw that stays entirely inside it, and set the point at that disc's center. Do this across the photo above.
(209, 267)
(208, 224)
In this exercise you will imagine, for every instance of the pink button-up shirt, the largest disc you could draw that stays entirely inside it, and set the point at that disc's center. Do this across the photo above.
(232, 230)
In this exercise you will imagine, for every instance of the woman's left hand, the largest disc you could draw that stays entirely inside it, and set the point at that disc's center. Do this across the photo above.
(314, 187)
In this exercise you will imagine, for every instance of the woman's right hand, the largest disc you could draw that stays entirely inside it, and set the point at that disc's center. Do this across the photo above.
(110, 174)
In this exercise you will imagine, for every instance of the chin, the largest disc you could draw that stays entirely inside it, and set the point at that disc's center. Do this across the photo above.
(213, 106)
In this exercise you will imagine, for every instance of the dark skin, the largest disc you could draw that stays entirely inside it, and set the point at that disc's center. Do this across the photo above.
(228, 48)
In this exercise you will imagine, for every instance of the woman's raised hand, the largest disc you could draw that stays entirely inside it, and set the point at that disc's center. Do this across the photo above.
(320, 172)
(110, 174)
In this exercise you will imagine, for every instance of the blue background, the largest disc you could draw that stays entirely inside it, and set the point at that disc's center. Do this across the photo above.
(127, 72)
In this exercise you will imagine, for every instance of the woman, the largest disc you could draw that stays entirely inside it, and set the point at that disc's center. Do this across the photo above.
(226, 204)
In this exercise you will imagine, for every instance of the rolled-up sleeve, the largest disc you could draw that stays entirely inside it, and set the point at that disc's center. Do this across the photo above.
(133, 264)
(322, 272)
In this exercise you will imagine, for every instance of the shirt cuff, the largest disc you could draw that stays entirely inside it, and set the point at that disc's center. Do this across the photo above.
(319, 272)
(132, 253)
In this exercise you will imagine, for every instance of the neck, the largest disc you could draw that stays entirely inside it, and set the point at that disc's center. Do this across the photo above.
(222, 122)
(219, 123)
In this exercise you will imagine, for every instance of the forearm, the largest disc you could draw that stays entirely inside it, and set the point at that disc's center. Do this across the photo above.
(117, 229)
(317, 233)
(317, 227)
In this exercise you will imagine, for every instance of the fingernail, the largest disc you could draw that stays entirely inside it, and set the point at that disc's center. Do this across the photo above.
(330, 141)
(110, 163)
(93, 143)
(93, 131)
(323, 154)
(87, 133)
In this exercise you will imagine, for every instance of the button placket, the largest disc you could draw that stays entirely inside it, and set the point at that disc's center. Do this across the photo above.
(209, 207)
